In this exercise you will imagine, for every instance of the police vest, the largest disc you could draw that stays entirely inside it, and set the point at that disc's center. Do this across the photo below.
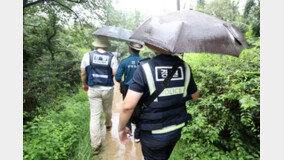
(100, 72)
(168, 111)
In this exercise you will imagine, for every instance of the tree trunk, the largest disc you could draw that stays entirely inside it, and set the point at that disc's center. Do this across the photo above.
(52, 36)
(52, 56)
(178, 5)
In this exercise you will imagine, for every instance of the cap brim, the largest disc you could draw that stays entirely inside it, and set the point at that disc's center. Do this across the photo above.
(139, 49)
(100, 45)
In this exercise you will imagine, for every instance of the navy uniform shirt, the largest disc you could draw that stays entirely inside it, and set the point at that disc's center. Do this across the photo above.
(127, 67)
(139, 84)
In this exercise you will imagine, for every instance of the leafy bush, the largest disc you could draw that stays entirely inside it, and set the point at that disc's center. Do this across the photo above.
(55, 135)
(226, 118)
(46, 80)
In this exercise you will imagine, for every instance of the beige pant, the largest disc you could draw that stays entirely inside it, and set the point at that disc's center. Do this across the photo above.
(99, 100)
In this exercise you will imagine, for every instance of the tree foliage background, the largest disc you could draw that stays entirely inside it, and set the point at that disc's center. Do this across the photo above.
(58, 32)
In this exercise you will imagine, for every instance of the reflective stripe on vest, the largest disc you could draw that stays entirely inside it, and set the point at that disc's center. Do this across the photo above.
(187, 78)
(168, 129)
(100, 76)
(172, 91)
(149, 77)
(166, 91)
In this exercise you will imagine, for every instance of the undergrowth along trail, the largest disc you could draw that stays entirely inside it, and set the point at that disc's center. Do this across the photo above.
(60, 134)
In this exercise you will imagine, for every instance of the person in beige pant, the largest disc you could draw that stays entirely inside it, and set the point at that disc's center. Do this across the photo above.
(100, 100)
(97, 70)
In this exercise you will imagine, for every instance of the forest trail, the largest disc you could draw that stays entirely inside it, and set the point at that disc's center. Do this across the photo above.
(113, 149)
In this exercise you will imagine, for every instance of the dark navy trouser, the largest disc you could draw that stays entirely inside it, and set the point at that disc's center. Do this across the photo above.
(157, 150)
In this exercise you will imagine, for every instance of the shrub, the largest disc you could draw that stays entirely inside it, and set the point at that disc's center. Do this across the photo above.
(55, 135)
(226, 119)
(46, 80)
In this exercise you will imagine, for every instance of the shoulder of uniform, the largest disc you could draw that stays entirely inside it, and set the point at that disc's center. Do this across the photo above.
(90, 52)
(142, 61)
(126, 58)
(177, 57)
(181, 61)
(86, 54)
(109, 53)
(123, 60)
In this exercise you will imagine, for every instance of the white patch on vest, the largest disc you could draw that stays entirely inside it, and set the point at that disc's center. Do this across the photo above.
(163, 71)
(133, 65)
(100, 76)
(100, 59)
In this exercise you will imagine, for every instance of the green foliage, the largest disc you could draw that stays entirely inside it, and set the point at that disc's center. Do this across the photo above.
(55, 34)
(200, 4)
(226, 10)
(83, 150)
(56, 135)
(252, 15)
(47, 80)
(248, 6)
(147, 53)
(226, 119)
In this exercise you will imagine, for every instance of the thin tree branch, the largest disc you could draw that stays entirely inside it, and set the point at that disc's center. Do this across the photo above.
(31, 25)
(80, 1)
(62, 5)
(26, 4)
(49, 46)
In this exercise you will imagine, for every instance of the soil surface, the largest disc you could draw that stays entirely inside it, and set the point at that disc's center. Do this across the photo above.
(113, 149)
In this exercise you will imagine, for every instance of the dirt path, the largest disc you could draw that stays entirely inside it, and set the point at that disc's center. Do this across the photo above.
(113, 149)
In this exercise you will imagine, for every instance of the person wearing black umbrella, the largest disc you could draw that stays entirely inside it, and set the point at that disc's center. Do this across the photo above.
(162, 121)
(127, 68)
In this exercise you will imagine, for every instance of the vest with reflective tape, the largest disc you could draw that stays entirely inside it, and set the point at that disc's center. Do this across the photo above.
(99, 71)
(168, 111)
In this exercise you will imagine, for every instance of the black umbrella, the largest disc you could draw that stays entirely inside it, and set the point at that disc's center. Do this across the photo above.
(116, 33)
(191, 31)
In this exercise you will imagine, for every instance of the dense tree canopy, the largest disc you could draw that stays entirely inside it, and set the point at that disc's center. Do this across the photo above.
(55, 33)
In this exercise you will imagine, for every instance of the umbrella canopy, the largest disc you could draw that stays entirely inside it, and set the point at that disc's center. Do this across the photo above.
(191, 31)
(116, 33)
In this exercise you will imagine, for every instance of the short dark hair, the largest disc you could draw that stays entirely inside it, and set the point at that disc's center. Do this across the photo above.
(134, 50)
